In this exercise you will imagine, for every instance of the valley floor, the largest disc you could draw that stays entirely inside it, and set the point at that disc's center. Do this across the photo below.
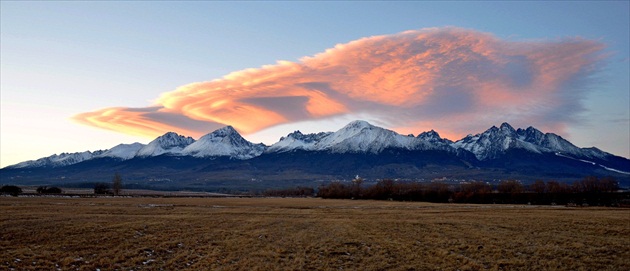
(305, 234)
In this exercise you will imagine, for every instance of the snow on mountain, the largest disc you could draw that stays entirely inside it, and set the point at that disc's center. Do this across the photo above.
(169, 143)
(123, 151)
(297, 141)
(491, 143)
(496, 141)
(357, 136)
(434, 138)
(595, 152)
(58, 160)
(360, 136)
(224, 142)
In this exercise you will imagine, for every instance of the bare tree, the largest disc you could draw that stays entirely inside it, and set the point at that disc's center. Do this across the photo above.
(510, 187)
(538, 187)
(117, 184)
(356, 187)
(608, 184)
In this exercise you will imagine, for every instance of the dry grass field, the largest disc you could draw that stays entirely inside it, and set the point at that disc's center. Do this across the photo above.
(305, 234)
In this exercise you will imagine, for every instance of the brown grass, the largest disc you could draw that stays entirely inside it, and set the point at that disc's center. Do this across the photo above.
(305, 234)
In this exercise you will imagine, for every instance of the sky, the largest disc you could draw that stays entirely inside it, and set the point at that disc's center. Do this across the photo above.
(79, 76)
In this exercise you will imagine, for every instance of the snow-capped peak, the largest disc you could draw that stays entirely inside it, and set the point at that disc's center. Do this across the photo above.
(495, 141)
(224, 142)
(123, 151)
(433, 137)
(58, 160)
(358, 124)
(169, 143)
(297, 141)
(507, 128)
(429, 134)
(531, 134)
(225, 131)
(361, 136)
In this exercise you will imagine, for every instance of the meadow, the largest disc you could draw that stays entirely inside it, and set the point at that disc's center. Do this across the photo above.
(49, 233)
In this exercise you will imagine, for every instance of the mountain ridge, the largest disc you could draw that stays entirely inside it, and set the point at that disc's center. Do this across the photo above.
(498, 152)
(357, 136)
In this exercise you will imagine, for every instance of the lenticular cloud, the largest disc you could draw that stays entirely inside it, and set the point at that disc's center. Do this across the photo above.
(449, 79)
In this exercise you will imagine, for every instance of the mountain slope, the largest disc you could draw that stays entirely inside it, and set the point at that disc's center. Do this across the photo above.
(169, 143)
(360, 136)
(494, 142)
(123, 151)
(223, 142)
(58, 160)
(297, 141)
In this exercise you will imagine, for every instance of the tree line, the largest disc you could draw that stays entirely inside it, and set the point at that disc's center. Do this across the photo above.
(99, 188)
(296, 192)
(588, 191)
(14, 190)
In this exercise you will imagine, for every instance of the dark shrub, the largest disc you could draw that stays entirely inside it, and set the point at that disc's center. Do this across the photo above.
(101, 188)
(11, 190)
(49, 190)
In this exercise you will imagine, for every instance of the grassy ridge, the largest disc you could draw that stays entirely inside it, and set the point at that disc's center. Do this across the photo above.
(305, 234)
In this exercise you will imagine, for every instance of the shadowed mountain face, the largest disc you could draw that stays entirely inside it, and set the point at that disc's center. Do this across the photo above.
(224, 158)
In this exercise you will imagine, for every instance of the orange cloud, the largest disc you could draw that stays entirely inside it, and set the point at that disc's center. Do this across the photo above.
(455, 79)
(149, 122)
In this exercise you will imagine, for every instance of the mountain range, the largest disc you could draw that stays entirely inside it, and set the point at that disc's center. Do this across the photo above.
(223, 158)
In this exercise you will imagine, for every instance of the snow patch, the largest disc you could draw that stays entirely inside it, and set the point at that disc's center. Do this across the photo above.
(593, 163)
(224, 142)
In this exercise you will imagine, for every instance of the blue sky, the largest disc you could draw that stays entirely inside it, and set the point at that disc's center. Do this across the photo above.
(60, 59)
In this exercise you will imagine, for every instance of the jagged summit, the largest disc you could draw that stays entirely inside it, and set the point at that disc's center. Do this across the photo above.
(506, 127)
(532, 134)
(358, 124)
(429, 134)
(225, 131)
(433, 137)
(169, 143)
(297, 141)
(307, 138)
(495, 142)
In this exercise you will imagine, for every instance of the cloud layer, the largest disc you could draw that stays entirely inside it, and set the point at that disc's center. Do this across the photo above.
(450, 79)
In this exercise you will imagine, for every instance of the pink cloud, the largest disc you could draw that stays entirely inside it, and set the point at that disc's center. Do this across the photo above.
(449, 79)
